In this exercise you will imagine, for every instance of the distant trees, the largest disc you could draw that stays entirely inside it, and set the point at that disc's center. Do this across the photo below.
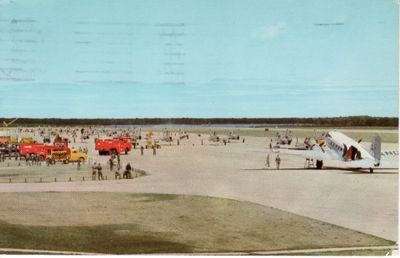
(319, 121)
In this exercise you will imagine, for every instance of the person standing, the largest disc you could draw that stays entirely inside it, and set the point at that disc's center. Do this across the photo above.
(99, 172)
(111, 161)
(117, 172)
(154, 150)
(94, 171)
(278, 161)
(267, 160)
(141, 150)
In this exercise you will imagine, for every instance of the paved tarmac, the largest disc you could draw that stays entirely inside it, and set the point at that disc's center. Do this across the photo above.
(360, 201)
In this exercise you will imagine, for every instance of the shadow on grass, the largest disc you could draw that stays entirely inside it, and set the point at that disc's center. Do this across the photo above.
(191, 224)
(153, 197)
(111, 239)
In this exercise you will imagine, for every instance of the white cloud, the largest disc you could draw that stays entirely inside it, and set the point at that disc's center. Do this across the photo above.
(270, 31)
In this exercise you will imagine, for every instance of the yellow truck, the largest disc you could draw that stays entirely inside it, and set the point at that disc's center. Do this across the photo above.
(65, 156)
(26, 140)
(13, 139)
(78, 156)
(58, 156)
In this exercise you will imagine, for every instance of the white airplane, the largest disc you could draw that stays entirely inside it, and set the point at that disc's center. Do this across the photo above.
(233, 136)
(213, 137)
(166, 136)
(285, 139)
(340, 147)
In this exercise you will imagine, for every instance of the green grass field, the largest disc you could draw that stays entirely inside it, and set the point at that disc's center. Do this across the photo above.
(126, 223)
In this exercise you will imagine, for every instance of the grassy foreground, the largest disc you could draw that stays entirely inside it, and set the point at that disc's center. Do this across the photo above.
(345, 253)
(121, 223)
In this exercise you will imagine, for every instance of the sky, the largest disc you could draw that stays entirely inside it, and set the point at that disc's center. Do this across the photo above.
(198, 58)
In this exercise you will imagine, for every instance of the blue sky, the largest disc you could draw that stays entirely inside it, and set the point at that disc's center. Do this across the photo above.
(198, 58)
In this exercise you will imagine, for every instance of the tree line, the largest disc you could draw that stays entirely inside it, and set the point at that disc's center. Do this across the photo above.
(346, 121)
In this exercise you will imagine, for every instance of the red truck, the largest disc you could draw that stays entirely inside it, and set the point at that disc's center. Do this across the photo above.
(40, 149)
(113, 146)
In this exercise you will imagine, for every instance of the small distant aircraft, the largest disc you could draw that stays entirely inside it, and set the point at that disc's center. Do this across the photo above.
(309, 141)
(233, 136)
(213, 137)
(339, 147)
(285, 139)
(183, 135)
(166, 136)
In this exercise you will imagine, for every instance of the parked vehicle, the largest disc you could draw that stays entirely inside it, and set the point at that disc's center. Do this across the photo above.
(40, 149)
(76, 156)
(58, 155)
(113, 146)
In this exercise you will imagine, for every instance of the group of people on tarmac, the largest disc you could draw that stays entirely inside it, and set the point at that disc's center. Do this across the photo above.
(153, 147)
(97, 171)
(277, 161)
(3, 157)
(127, 174)
(84, 149)
(115, 165)
(33, 159)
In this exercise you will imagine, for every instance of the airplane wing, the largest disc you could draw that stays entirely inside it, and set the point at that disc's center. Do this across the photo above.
(315, 152)
(362, 163)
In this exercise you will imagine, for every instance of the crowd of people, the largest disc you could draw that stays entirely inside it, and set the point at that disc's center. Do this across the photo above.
(115, 166)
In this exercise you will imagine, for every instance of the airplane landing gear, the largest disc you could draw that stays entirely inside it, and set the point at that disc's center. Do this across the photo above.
(371, 170)
(319, 164)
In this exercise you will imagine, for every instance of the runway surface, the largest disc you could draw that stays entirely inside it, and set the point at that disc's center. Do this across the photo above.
(360, 201)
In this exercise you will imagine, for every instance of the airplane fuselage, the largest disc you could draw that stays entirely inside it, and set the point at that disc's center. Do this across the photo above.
(349, 151)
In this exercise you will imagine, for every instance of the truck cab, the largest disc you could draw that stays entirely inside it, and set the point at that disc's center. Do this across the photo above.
(78, 156)
(113, 146)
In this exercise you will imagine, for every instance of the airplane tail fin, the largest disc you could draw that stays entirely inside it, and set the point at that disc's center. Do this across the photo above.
(375, 149)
